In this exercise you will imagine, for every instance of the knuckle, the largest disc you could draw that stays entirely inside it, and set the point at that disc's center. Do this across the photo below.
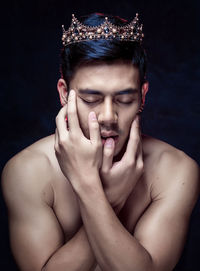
(71, 110)
(140, 165)
(75, 139)
(95, 125)
(104, 171)
(56, 148)
(136, 138)
(62, 141)
(107, 152)
(130, 163)
(70, 101)
(70, 97)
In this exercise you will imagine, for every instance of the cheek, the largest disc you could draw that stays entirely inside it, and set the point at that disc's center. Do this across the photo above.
(126, 119)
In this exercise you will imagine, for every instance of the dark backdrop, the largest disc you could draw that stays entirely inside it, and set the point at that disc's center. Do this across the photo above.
(30, 46)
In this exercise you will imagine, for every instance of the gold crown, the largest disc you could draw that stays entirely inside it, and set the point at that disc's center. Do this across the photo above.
(78, 32)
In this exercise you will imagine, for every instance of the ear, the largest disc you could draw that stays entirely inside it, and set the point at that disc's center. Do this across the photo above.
(145, 88)
(62, 89)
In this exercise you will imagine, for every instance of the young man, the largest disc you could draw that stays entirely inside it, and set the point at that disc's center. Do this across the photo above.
(98, 195)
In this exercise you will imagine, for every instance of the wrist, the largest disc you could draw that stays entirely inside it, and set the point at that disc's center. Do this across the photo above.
(86, 184)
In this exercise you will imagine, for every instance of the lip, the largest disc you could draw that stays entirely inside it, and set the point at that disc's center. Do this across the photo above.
(115, 139)
(108, 134)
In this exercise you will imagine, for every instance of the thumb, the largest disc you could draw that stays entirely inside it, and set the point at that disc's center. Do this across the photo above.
(108, 153)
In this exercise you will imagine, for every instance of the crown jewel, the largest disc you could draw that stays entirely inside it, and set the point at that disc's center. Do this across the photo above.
(79, 32)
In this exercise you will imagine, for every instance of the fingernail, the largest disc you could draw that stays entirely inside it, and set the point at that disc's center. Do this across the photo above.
(93, 116)
(72, 92)
(109, 142)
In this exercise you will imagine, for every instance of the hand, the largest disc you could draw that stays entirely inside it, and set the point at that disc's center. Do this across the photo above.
(78, 156)
(120, 178)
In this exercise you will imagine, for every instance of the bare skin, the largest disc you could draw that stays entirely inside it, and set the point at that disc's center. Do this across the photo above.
(84, 215)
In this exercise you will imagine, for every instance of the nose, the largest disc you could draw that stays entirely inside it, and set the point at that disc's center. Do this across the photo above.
(108, 113)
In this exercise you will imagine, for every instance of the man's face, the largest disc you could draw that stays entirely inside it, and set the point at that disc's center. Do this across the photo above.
(113, 92)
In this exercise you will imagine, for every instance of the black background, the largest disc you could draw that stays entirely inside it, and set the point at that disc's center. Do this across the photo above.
(30, 47)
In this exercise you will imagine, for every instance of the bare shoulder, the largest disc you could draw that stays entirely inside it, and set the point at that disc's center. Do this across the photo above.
(28, 172)
(164, 157)
(171, 171)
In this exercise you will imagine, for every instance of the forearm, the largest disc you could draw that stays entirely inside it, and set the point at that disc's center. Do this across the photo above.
(114, 247)
(75, 255)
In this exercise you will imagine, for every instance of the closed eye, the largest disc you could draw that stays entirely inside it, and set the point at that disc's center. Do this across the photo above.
(125, 102)
(90, 102)
(121, 100)
(126, 98)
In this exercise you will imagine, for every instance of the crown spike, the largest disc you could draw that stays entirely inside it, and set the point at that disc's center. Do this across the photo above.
(78, 32)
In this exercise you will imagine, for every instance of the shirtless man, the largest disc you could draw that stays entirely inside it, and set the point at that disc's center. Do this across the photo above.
(98, 195)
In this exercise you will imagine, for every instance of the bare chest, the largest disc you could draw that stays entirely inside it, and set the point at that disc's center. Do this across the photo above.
(67, 211)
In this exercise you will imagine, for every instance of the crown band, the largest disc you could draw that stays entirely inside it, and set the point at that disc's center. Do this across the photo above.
(78, 32)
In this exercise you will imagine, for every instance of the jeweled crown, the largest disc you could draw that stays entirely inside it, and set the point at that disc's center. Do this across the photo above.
(78, 32)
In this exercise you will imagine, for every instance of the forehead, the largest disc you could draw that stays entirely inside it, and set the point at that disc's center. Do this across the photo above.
(106, 77)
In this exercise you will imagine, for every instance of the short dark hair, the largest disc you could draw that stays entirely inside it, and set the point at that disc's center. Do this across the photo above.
(94, 51)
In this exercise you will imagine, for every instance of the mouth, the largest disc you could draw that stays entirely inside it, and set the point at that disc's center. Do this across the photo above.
(115, 138)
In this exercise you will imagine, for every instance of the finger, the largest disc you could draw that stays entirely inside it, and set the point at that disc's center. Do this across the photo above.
(94, 128)
(134, 140)
(56, 136)
(73, 121)
(61, 121)
(56, 140)
(108, 153)
(140, 156)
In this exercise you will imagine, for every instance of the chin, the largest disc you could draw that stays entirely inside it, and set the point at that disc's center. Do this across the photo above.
(119, 152)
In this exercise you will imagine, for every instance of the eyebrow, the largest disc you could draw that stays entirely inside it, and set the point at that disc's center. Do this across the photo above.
(98, 92)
